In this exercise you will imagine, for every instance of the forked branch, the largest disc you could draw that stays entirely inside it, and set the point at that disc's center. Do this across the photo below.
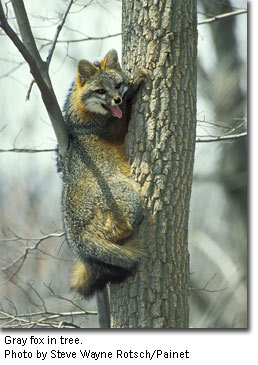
(38, 68)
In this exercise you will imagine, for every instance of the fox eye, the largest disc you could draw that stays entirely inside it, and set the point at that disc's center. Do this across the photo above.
(118, 85)
(100, 91)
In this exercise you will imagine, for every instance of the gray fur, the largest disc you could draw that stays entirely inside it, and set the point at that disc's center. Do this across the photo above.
(101, 202)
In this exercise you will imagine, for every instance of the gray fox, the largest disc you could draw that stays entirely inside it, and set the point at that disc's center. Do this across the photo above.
(101, 201)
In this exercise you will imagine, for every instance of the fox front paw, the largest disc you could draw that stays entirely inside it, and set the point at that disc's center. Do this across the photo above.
(141, 77)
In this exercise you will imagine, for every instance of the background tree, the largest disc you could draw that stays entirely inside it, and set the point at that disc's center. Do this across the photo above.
(219, 243)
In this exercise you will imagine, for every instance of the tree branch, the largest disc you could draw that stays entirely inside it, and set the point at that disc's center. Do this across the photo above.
(102, 299)
(38, 69)
(204, 288)
(58, 30)
(25, 30)
(27, 150)
(222, 16)
(79, 40)
(198, 140)
(221, 138)
(21, 259)
(14, 38)
(47, 319)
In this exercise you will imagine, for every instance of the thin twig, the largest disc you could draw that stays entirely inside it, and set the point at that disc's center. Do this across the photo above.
(38, 295)
(8, 73)
(27, 150)
(222, 16)
(47, 319)
(52, 292)
(198, 140)
(27, 251)
(53, 43)
(50, 315)
(221, 138)
(29, 90)
(79, 40)
(58, 30)
(209, 290)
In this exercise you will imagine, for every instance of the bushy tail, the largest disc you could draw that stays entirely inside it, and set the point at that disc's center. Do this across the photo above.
(103, 262)
(95, 248)
(87, 278)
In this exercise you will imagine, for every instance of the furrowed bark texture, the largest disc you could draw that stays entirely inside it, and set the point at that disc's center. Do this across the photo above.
(160, 36)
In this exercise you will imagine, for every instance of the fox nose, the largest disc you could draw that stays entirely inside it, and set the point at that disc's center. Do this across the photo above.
(118, 100)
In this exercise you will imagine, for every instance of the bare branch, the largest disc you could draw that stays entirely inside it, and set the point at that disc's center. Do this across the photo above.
(42, 319)
(27, 150)
(29, 90)
(3, 128)
(23, 150)
(199, 139)
(51, 315)
(58, 30)
(25, 30)
(79, 40)
(71, 301)
(38, 295)
(207, 284)
(14, 38)
(21, 259)
(8, 73)
(38, 69)
(222, 16)
(221, 138)
(103, 306)
(53, 43)
(42, 238)
(221, 125)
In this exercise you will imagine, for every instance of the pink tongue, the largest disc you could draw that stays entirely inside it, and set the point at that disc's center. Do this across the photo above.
(116, 111)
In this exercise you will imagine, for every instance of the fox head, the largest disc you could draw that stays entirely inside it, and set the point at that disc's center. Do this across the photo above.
(100, 87)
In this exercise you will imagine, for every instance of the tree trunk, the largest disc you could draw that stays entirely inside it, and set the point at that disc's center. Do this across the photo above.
(160, 36)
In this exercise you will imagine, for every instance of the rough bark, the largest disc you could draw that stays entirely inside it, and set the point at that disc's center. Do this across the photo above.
(161, 37)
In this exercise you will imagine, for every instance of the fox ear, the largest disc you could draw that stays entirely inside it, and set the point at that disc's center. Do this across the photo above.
(110, 61)
(85, 70)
